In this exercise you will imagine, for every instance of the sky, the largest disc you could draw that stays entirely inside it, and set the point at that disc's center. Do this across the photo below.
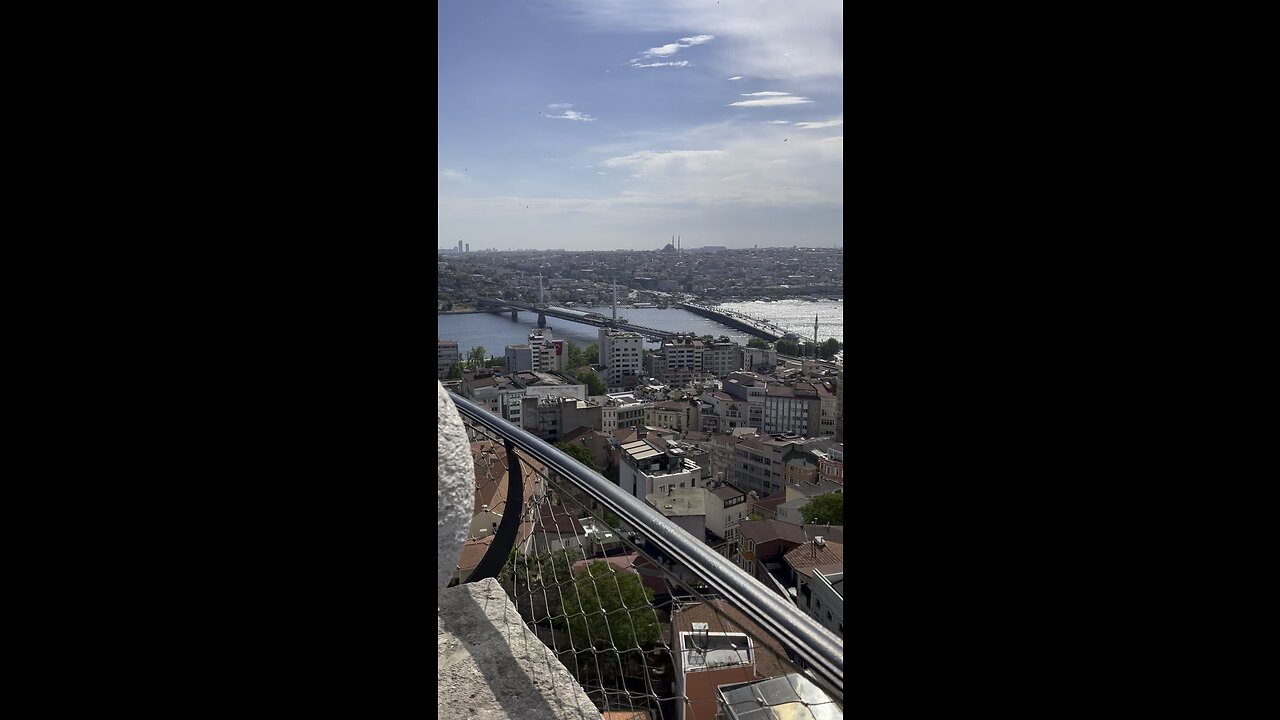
(617, 124)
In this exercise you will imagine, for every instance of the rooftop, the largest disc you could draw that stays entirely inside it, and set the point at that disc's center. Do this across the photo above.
(720, 649)
(811, 554)
(768, 653)
(763, 531)
(791, 696)
(679, 502)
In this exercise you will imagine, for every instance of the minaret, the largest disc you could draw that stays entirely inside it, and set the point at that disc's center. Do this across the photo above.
(815, 337)
(540, 288)
(615, 298)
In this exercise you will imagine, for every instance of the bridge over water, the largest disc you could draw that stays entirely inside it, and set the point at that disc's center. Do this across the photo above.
(545, 311)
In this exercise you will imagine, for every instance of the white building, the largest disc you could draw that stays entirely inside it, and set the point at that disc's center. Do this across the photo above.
(621, 354)
(625, 410)
(725, 505)
(549, 384)
(544, 353)
(646, 469)
(759, 359)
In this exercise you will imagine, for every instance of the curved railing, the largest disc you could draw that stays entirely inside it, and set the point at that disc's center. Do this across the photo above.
(815, 648)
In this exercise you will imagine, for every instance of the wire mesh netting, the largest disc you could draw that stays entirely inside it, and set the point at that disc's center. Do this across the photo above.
(643, 635)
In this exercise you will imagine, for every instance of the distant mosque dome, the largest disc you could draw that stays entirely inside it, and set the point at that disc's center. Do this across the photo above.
(669, 248)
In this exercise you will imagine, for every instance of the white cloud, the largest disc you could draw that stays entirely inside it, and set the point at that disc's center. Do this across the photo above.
(648, 159)
(779, 122)
(817, 125)
(672, 48)
(448, 174)
(766, 92)
(678, 63)
(781, 40)
(736, 77)
(770, 102)
(573, 115)
(556, 106)
(664, 51)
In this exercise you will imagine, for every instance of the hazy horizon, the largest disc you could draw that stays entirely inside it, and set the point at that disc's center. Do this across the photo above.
(609, 124)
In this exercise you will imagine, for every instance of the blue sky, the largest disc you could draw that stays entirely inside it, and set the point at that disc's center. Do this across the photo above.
(608, 124)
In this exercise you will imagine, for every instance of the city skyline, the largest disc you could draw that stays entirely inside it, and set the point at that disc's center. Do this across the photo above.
(600, 125)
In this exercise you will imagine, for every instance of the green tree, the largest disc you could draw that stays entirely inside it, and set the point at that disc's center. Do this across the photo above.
(604, 609)
(475, 357)
(580, 453)
(787, 347)
(828, 349)
(573, 356)
(455, 371)
(824, 510)
(756, 342)
(591, 354)
(595, 386)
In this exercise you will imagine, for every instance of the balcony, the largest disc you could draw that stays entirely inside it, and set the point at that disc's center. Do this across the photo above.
(584, 601)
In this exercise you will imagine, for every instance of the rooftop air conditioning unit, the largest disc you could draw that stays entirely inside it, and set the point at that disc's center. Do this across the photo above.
(819, 540)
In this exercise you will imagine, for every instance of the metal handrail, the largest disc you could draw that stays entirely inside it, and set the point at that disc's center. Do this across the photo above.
(818, 647)
(505, 539)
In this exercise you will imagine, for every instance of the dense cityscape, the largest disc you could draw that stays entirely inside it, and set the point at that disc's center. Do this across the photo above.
(640, 360)
(738, 443)
(586, 278)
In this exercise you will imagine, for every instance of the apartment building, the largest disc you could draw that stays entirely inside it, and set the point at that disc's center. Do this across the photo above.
(551, 418)
(546, 384)
(822, 400)
(446, 355)
(722, 357)
(621, 355)
(751, 388)
(725, 505)
(759, 462)
(682, 506)
(675, 414)
(721, 413)
(519, 358)
(545, 357)
(759, 359)
(784, 412)
(625, 411)
(498, 394)
(647, 469)
(679, 359)
(831, 466)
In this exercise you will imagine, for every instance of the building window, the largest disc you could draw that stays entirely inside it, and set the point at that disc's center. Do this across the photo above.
(751, 545)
